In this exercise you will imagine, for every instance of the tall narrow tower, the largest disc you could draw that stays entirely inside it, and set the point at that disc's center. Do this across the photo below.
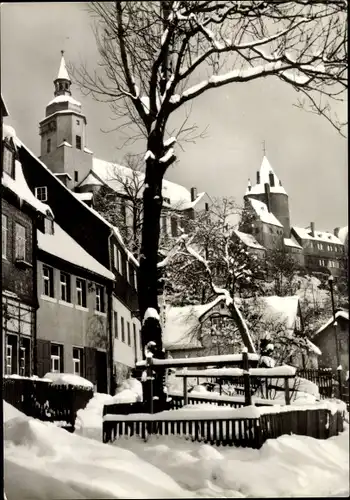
(269, 190)
(63, 133)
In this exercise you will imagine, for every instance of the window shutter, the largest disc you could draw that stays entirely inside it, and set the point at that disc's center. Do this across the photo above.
(43, 356)
(90, 364)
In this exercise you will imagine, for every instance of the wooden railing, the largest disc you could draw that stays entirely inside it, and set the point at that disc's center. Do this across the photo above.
(244, 432)
(237, 401)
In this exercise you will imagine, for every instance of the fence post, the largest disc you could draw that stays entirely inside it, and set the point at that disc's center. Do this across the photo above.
(149, 382)
(286, 391)
(246, 378)
(339, 377)
(185, 390)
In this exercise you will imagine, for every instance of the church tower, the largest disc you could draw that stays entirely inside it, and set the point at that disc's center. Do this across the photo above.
(63, 133)
(269, 190)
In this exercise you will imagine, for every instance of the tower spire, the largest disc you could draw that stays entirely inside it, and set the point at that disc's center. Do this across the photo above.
(62, 82)
(264, 147)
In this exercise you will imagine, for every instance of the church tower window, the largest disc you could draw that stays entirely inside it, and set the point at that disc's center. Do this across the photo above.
(48, 145)
(78, 141)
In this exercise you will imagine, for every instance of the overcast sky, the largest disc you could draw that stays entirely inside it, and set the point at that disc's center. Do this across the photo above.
(305, 151)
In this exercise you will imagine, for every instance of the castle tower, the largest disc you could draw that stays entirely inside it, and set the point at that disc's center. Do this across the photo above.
(269, 190)
(63, 133)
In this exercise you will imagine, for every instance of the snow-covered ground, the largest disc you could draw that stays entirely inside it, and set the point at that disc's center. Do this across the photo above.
(45, 462)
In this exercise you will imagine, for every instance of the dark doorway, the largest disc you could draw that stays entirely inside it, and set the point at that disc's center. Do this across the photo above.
(101, 365)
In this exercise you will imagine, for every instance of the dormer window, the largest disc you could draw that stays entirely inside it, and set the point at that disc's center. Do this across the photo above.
(41, 193)
(8, 161)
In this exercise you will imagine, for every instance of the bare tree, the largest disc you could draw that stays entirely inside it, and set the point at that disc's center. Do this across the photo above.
(283, 269)
(208, 262)
(158, 56)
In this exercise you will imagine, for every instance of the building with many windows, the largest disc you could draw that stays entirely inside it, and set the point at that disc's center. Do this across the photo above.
(22, 215)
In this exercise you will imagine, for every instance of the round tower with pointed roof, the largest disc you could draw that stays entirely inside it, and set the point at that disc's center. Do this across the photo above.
(63, 132)
(269, 190)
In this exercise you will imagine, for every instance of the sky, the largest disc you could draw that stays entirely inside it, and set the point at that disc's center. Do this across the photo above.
(307, 154)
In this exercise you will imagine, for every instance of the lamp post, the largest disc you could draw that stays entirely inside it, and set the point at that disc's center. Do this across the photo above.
(330, 282)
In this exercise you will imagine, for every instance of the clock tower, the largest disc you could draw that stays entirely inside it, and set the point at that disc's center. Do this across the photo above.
(63, 133)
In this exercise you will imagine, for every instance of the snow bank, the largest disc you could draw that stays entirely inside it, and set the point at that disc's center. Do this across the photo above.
(69, 379)
(45, 462)
(289, 466)
(88, 422)
(11, 412)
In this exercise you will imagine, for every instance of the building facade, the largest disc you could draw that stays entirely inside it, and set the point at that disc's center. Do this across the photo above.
(21, 215)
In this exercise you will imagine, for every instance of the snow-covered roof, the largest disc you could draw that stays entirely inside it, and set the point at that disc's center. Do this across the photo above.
(264, 215)
(63, 112)
(265, 170)
(343, 234)
(291, 242)
(20, 188)
(191, 204)
(64, 143)
(248, 239)
(62, 72)
(87, 207)
(313, 348)
(323, 236)
(61, 245)
(107, 171)
(181, 324)
(64, 98)
(282, 308)
(338, 314)
(84, 196)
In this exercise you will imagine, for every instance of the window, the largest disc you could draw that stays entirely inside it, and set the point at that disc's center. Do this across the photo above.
(100, 305)
(20, 246)
(80, 289)
(56, 358)
(135, 337)
(78, 361)
(322, 262)
(4, 232)
(22, 360)
(135, 279)
(115, 319)
(127, 271)
(76, 176)
(48, 146)
(41, 193)
(207, 207)
(65, 287)
(48, 281)
(8, 359)
(128, 330)
(117, 255)
(78, 122)
(78, 141)
(48, 226)
(122, 329)
(8, 162)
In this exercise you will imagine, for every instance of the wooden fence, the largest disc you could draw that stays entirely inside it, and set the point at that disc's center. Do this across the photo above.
(178, 401)
(47, 402)
(323, 378)
(247, 432)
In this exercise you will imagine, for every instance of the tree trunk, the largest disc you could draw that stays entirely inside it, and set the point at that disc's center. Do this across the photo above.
(242, 327)
(148, 276)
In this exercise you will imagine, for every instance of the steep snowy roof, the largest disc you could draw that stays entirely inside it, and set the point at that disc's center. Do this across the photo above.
(281, 308)
(109, 173)
(248, 239)
(265, 171)
(65, 98)
(291, 242)
(343, 234)
(323, 236)
(19, 186)
(90, 180)
(113, 228)
(181, 324)
(66, 248)
(264, 215)
(84, 196)
(191, 204)
(338, 314)
(62, 72)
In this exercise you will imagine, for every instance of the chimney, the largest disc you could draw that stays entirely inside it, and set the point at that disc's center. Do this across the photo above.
(267, 196)
(272, 179)
(249, 185)
(312, 227)
(258, 177)
(336, 231)
(193, 193)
